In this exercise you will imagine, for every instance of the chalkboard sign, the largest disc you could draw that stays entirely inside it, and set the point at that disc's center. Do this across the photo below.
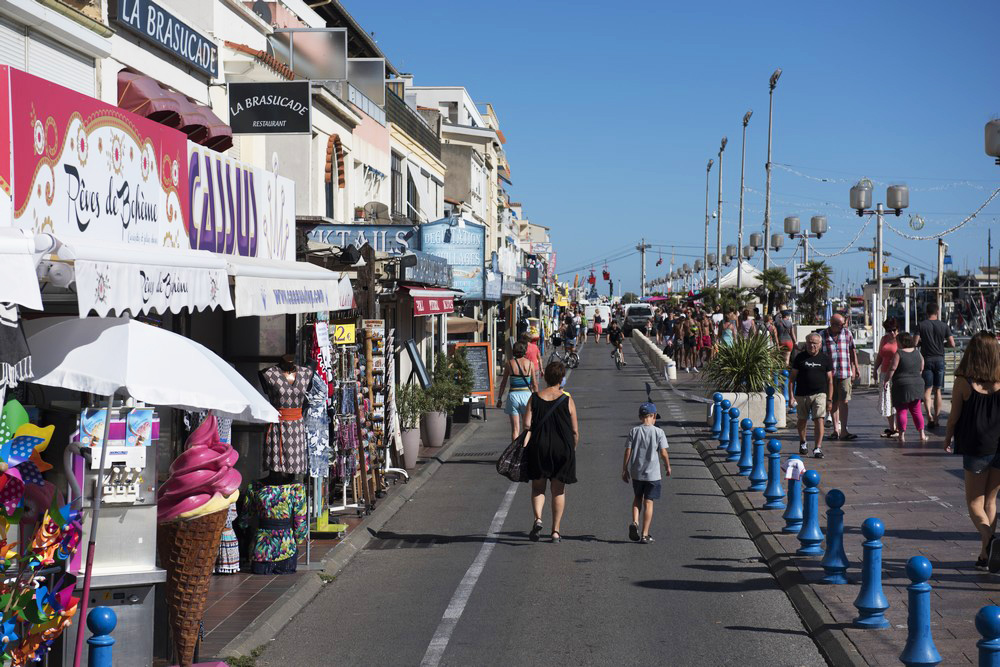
(418, 364)
(479, 356)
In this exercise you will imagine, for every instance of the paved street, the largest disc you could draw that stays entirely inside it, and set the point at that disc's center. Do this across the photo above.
(452, 579)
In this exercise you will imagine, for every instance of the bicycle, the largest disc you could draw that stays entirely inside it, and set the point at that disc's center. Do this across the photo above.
(618, 357)
(571, 359)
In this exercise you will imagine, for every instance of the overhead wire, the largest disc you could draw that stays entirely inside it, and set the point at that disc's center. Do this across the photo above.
(954, 228)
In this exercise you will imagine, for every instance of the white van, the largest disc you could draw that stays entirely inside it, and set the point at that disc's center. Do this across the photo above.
(592, 309)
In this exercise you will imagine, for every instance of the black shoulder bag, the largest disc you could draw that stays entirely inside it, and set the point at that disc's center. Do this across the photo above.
(511, 462)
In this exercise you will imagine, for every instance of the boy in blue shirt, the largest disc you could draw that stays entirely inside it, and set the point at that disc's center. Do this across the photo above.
(646, 442)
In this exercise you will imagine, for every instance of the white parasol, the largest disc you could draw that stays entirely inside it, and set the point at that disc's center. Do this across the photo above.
(105, 356)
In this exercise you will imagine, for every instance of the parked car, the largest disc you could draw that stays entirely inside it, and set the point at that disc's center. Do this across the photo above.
(636, 316)
(595, 308)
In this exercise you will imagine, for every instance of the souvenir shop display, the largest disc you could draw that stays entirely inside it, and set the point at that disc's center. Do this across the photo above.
(37, 583)
(279, 504)
(192, 509)
(285, 445)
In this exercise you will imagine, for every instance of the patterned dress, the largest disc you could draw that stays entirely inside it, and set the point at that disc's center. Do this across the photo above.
(285, 446)
(228, 561)
(317, 425)
(281, 525)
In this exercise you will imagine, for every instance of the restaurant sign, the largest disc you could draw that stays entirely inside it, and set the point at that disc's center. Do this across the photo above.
(153, 23)
(273, 107)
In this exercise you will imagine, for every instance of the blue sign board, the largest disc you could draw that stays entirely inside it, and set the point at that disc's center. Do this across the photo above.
(494, 286)
(153, 23)
(463, 244)
(389, 239)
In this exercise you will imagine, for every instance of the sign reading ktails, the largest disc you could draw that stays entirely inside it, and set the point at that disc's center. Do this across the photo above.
(153, 23)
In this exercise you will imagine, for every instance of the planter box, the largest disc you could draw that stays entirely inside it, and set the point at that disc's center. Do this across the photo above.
(752, 405)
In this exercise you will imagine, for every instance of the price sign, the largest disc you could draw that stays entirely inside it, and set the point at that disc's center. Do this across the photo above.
(343, 334)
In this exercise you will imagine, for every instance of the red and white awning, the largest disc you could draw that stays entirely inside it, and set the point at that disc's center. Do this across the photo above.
(432, 301)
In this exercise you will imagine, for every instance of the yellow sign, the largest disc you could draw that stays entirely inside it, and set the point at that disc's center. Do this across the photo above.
(343, 334)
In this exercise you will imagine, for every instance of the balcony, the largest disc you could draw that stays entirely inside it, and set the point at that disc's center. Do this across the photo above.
(409, 121)
(363, 102)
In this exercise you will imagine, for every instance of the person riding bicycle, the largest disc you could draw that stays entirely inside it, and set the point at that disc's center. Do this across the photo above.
(615, 338)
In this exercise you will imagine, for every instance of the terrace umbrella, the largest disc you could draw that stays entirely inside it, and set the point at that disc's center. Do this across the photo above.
(105, 356)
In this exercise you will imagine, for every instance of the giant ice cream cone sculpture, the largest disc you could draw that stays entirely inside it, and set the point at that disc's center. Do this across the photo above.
(191, 510)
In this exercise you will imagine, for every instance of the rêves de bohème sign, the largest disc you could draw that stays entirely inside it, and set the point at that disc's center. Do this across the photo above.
(83, 169)
(153, 23)
(276, 107)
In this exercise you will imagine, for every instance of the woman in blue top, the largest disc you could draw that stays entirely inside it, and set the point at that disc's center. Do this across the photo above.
(521, 372)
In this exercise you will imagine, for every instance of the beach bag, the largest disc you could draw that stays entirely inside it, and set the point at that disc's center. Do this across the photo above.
(511, 462)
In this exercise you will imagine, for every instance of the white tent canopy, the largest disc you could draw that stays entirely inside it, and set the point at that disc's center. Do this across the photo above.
(751, 277)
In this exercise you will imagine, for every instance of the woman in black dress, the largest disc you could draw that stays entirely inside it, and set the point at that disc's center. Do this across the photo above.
(550, 447)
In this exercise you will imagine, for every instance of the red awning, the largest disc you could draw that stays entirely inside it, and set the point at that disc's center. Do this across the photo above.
(431, 301)
(144, 96)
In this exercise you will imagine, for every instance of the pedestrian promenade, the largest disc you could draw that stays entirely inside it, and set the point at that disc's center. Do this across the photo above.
(917, 491)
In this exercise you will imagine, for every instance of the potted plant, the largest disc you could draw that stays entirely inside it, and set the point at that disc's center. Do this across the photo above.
(359, 212)
(446, 393)
(743, 370)
(461, 371)
(410, 403)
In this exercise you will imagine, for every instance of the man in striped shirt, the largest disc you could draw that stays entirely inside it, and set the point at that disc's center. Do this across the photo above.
(838, 344)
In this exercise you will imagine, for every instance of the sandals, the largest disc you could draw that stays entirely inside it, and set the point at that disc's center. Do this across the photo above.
(647, 539)
(633, 532)
(556, 537)
(849, 436)
(889, 433)
(535, 530)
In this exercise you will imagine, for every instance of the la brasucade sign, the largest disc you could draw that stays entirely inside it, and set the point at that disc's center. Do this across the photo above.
(152, 22)
(277, 107)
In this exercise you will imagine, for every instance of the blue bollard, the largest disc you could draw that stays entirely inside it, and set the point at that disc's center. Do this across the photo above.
(773, 493)
(746, 428)
(733, 448)
(745, 464)
(770, 422)
(716, 414)
(793, 513)
(810, 535)
(786, 388)
(724, 425)
(835, 561)
(101, 621)
(758, 473)
(919, 649)
(871, 602)
(988, 625)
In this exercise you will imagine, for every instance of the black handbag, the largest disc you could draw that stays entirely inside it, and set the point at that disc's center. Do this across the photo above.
(511, 462)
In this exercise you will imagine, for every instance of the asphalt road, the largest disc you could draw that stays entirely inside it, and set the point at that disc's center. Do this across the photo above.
(441, 586)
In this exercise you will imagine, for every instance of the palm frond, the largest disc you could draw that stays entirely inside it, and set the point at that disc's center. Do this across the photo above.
(746, 365)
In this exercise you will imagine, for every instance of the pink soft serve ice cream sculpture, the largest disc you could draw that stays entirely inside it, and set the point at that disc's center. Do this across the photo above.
(192, 508)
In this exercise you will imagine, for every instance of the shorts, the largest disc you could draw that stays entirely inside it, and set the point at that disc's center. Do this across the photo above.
(516, 403)
(978, 464)
(787, 344)
(570, 341)
(816, 403)
(842, 390)
(649, 490)
(689, 342)
(933, 372)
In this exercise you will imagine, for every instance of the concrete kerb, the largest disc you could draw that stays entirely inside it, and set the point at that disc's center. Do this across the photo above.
(267, 626)
(835, 645)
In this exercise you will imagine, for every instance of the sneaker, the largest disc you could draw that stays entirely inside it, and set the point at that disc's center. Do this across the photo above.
(696, 370)
(633, 532)
(981, 564)
(803, 448)
(647, 539)
(817, 453)
(687, 370)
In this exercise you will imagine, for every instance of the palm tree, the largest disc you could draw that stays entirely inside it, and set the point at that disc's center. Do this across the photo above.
(774, 285)
(818, 281)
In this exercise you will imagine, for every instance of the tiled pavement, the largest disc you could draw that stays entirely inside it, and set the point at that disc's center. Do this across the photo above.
(236, 600)
(917, 491)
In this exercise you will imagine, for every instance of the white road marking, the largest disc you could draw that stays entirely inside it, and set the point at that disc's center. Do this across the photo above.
(439, 642)
(871, 462)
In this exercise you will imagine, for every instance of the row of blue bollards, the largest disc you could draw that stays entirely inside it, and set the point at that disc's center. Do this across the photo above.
(745, 445)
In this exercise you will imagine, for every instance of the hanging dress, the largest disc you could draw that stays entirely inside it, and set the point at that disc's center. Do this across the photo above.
(285, 445)
(228, 560)
(281, 525)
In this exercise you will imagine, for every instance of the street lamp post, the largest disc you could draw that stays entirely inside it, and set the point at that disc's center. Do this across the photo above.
(817, 227)
(718, 222)
(704, 276)
(767, 188)
(743, 164)
(897, 198)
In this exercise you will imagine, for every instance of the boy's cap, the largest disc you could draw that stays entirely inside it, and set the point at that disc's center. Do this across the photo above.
(647, 409)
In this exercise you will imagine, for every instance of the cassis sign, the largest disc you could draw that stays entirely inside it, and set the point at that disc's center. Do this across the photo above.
(270, 108)
(153, 23)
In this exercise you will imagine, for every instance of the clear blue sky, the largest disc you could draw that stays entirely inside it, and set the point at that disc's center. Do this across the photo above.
(611, 111)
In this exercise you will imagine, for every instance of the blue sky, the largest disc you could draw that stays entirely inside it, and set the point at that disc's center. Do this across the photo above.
(611, 111)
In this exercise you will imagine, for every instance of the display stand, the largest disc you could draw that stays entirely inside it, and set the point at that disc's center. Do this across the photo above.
(392, 439)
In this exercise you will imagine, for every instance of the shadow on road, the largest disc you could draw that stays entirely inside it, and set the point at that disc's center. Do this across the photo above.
(756, 584)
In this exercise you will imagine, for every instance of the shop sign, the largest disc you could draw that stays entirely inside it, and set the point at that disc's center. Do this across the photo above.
(238, 209)
(494, 286)
(429, 270)
(433, 305)
(153, 23)
(462, 243)
(287, 296)
(83, 169)
(344, 334)
(275, 107)
(541, 248)
(106, 287)
(389, 239)
(511, 286)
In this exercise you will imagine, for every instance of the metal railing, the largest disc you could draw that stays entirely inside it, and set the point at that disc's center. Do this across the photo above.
(363, 102)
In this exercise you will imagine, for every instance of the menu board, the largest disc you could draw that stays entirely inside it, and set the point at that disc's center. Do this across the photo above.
(479, 355)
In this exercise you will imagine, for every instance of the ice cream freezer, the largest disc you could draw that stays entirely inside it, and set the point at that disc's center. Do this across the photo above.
(125, 571)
